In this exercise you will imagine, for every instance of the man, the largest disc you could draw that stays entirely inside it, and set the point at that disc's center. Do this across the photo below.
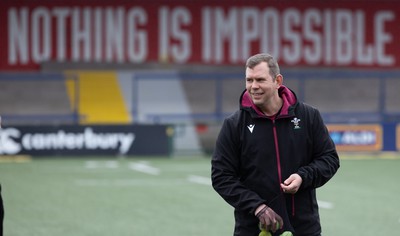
(1, 214)
(271, 155)
(1, 203)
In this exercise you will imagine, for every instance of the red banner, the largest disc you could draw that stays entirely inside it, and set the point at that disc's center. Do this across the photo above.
(301, 33)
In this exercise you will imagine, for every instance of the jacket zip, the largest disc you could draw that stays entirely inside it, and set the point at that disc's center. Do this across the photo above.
(278, 160)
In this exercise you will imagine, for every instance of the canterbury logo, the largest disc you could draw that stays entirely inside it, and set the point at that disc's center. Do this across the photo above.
(251, 127)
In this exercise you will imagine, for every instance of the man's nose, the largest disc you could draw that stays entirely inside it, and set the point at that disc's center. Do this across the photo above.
(255, 85)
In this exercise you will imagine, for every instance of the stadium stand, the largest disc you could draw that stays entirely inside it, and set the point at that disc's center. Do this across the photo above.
(34, 99)
(100, 98)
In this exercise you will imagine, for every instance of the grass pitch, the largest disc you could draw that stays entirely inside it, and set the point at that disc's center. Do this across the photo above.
(173, 197)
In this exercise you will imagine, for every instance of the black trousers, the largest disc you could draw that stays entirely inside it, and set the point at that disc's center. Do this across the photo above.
(1, 214)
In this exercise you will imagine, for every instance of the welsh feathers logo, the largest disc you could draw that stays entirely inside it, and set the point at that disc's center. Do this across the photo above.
(296, 122)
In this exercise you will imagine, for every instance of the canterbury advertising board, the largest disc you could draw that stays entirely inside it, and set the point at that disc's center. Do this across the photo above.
(298, 33)
(357, 137)
(85, 140)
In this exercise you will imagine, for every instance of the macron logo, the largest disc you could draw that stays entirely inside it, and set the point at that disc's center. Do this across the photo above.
(251, 127)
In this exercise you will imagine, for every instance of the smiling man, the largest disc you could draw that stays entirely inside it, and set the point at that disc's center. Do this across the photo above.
(271, 155)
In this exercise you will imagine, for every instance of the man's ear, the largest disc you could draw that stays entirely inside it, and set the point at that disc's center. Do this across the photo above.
(279, 80)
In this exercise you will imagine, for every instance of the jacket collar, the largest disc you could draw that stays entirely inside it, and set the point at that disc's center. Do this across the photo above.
(289, 101)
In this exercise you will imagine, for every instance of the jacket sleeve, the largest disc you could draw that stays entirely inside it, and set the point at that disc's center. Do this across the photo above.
(325, 160)
(225, 171)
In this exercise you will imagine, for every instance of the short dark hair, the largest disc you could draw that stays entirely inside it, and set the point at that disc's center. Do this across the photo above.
(264, 57)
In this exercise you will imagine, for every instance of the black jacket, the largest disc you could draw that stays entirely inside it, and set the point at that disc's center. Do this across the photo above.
(254, 154)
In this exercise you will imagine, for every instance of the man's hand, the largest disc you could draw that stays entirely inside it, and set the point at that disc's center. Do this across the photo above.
(268, 218)
(292, 184)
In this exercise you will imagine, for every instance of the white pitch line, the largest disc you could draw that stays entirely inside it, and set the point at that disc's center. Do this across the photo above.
(144, 168)
(199, 179)
(101, 164)
(325, 205)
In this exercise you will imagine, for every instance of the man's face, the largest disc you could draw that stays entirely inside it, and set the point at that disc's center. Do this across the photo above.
(260, 85)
